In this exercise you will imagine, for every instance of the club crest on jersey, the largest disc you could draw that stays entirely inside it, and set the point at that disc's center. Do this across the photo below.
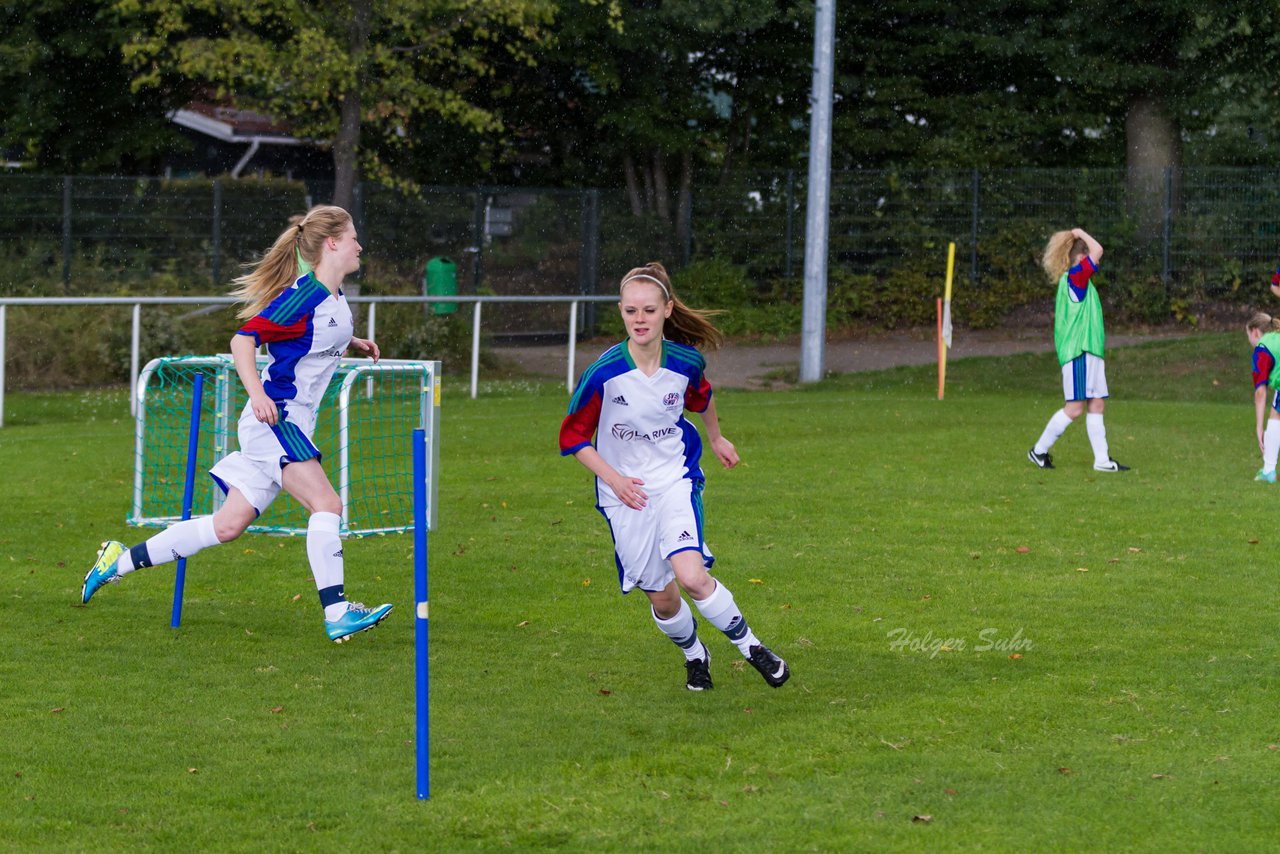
(671, 399)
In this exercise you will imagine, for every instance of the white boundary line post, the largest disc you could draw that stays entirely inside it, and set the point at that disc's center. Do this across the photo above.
(573, 343)
(2, 345)
(373, 325)
(475, 351)
(135, 338)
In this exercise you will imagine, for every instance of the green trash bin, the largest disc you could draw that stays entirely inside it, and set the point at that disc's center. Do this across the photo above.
(440, 279)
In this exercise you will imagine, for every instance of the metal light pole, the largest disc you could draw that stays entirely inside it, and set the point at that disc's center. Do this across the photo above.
(813, 329)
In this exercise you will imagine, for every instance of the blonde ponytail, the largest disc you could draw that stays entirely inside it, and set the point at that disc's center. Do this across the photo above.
(279, 267)
(1058, 252)
(1263, 322)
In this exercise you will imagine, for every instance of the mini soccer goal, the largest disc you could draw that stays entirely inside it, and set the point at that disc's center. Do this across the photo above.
(365, 432)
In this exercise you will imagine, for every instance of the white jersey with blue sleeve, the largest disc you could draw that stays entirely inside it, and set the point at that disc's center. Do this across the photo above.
(637, 421)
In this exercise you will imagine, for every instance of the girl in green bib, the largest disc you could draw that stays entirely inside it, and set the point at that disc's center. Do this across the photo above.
(1264, 335)
(1070, 259)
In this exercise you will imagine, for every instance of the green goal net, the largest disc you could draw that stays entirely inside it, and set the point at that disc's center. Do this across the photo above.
(365, 432)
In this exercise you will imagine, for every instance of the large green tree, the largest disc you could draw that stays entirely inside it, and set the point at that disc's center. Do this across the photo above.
(355, 73)
(653, 96)
(65, 102)
(1168, 72)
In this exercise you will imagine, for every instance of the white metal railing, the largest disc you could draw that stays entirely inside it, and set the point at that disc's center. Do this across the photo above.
(574, 302)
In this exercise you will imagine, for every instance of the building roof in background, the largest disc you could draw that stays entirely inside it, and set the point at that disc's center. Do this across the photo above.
(232, 124)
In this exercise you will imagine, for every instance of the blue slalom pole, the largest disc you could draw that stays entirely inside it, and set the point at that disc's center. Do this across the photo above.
(188, 493)
(420, 611)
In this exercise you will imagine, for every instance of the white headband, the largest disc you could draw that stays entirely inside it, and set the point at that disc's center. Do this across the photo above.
(666, 293)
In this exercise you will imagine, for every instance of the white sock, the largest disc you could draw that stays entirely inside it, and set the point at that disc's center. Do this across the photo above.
(1271, 444)
(683, 631)
(1057, 425)
(324, 551)
(722, 612)
(1097, 437)
(182, 539)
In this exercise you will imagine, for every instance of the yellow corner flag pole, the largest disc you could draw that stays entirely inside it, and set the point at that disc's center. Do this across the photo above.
(944, 322)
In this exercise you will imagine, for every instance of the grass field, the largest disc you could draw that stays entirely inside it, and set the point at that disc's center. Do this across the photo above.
(984, 654)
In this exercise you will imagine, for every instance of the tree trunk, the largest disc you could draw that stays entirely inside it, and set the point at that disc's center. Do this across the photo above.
(346, 151)
(346, 145)
(1152, 146)
(633, 186)
(661, 197)
(684, 207)
(646, 173)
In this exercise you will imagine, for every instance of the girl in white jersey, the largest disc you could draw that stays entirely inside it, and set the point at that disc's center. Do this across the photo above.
(646, 457)
(293, 304)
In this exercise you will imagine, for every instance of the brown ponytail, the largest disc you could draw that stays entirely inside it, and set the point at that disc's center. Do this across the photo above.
(689, 326)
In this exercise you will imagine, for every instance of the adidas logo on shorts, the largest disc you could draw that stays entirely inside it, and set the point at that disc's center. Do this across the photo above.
(620, 400)
(684, 535)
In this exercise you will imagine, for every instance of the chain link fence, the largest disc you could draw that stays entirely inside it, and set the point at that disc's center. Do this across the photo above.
(1202, 231)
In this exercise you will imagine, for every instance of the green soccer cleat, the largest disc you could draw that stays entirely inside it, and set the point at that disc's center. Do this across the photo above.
(104, 569)
(357, 619)
(1265, 476)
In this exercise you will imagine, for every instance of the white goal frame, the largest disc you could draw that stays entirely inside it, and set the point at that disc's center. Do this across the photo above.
(228, 400)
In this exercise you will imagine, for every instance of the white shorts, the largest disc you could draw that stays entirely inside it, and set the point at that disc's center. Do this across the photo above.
(1084, 378)
(644, 540)
(257, 469)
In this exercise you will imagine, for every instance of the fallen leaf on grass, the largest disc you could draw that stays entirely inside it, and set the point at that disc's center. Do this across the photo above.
(1273, 747)
(1133, 550)
(1015, 656)
(1064, 770)
(296, 597)
(275, 710)
(522, 624)
(1159, 776)
(757, 581)
(1253, 542)
(193, 771)
(1082, 569)
(1022, 550)
(950, 792)
(605, 692)
(58, 709)
(586, 582)
(922, 819)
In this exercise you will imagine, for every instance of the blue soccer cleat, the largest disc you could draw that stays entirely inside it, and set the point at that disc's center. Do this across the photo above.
(1265, 476)
(357, 619)
(104, 570)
